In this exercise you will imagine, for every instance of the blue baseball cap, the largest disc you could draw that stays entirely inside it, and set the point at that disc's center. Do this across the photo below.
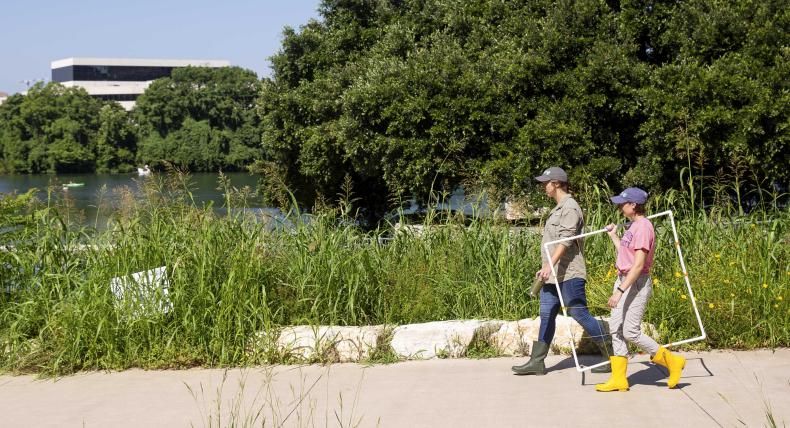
(631, 194)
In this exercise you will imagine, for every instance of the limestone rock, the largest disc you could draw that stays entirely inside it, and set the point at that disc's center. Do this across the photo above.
(514, 338)
(329, 343)
(439, 338)
(443, 339)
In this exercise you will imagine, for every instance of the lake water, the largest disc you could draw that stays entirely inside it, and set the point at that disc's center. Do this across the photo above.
(103, 188)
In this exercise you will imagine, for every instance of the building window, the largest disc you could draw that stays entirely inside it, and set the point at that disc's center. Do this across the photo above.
(64, 74)
(109, 73)
(117, 97)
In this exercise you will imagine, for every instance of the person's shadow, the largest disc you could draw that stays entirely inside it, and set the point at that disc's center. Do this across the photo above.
(651, 375)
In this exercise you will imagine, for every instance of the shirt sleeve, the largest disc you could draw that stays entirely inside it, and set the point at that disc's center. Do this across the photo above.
(643, 237)
(569, 223)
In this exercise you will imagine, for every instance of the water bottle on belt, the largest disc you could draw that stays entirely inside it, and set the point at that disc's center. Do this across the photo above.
(537, 284)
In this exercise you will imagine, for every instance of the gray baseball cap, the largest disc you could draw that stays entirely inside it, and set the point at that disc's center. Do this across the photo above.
(553, 173)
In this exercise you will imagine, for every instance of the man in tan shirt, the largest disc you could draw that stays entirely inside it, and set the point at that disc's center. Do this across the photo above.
(565, 220)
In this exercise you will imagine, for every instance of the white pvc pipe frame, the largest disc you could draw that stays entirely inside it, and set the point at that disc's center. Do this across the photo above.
(702, 336)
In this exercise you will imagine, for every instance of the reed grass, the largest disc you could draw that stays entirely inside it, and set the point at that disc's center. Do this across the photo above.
(232, 276)
(259, 404)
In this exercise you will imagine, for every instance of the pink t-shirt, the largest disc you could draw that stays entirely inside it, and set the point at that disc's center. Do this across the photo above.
(640, 236)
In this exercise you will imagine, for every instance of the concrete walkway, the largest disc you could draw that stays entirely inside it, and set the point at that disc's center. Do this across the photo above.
(718, 389)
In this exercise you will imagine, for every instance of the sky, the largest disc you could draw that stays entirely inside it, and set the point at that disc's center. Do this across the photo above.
(244, 32)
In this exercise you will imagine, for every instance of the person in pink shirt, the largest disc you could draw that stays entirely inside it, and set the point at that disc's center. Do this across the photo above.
(631, 292)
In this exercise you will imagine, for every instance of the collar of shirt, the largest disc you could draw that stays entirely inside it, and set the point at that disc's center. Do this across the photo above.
(561, 203)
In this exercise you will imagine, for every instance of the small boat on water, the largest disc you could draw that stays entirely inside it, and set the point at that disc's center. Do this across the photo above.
(72, 184)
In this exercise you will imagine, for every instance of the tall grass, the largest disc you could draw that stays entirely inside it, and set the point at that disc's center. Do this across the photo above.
(233, 275)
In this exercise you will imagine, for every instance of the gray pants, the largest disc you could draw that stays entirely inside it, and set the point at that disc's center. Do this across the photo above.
(626, 322)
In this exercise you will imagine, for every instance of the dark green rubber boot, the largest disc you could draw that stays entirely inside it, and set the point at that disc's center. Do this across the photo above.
(535, 364)
(606, 352)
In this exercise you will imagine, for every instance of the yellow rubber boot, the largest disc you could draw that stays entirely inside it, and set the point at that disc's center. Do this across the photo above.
(673, 362)
(618, 380)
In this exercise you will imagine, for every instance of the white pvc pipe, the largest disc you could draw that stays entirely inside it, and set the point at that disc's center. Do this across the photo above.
(686, 278)
(669, 213)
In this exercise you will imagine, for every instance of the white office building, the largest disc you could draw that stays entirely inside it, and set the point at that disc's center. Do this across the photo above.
(119, 79)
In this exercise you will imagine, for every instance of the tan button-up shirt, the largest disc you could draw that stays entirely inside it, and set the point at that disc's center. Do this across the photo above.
(566, 220)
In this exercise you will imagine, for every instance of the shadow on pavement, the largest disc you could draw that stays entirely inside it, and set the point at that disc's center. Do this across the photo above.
(651, 374)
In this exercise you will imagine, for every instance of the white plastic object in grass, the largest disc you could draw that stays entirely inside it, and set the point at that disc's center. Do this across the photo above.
(145, 291)
(671, 216)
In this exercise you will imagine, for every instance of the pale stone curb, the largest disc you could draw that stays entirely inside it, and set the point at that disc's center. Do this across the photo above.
(438, 339)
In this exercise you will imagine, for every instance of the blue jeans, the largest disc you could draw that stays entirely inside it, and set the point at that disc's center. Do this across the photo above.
(575, 300)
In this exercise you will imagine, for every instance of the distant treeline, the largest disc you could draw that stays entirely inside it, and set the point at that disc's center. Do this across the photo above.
(402, 96)
(200, 119)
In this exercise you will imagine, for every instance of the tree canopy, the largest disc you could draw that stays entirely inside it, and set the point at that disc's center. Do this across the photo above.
(409, 95)
(51, 129)
(201, 119)
(400, 97)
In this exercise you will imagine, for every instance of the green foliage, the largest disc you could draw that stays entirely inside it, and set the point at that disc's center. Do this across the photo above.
(51, 129)
(16, 212)
(17, 215)
(235, 281)
(410, 96)
(232, 277)
(116, 143)
(201, 119)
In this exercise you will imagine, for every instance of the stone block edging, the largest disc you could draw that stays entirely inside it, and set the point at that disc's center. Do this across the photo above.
(437, 339)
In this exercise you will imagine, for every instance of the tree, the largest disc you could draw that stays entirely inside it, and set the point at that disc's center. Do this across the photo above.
(722, 105)
(408, 96)
(116, 143)
(51, 129)
(200, 118)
